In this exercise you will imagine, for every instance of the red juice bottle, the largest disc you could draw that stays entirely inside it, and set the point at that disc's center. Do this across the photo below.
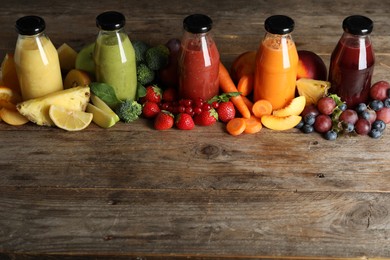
(352, 61)
(198, 61)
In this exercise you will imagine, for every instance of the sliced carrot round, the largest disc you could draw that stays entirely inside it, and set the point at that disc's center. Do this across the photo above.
(253, 125)
(262, 107)
(236, 126)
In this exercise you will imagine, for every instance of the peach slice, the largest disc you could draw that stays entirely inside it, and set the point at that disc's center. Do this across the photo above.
(280, 123)
(12, 117)
(295, 107)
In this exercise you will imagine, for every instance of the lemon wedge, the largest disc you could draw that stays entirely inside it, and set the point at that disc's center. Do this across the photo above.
(70, 120)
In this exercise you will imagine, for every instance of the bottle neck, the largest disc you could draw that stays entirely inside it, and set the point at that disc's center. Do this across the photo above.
(355, 41)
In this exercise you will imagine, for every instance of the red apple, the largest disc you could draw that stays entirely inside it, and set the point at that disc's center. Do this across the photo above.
(311, 66)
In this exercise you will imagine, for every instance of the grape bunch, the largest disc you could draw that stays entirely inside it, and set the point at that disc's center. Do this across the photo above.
(331, 117)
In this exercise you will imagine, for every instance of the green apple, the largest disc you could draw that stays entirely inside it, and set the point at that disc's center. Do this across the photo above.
(84, 59)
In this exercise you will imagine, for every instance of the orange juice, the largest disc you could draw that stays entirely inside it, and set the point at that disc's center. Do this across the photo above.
(276, 66)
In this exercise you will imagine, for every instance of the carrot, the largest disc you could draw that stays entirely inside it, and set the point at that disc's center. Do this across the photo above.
(253, 125)
(245, 84)
(248, 102)
(236, 126)
(262, 107)
(227, 85)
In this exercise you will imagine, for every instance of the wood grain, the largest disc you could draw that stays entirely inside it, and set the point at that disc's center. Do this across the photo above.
(131, 192)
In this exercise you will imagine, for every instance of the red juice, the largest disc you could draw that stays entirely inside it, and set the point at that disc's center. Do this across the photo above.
(198, 68)
(351, 70)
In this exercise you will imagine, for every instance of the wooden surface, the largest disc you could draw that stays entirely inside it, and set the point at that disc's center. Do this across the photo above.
(131, 192)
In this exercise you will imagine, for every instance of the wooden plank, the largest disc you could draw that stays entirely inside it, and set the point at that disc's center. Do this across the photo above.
(136, 156)
(194, 223)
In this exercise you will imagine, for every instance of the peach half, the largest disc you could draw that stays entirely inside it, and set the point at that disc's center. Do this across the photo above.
(311, 66)
(295, 107)
(280, 123)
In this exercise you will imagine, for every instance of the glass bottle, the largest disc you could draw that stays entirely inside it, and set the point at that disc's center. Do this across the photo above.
(352, 61)
(36, 59)
(198, 61)
(114, 55)
(276, 63)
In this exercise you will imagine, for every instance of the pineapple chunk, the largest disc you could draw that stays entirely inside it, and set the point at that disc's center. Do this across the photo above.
(312, 89)
(37, 109)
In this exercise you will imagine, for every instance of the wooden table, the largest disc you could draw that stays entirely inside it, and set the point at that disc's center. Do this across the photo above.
(134, 192)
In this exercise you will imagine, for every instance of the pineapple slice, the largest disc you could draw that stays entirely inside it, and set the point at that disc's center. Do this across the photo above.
(37, 109)
(312, 89)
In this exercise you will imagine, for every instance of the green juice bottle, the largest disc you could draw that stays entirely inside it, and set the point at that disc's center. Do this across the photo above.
(114, 55)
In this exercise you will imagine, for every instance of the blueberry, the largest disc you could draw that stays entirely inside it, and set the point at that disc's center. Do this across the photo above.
(375, 133)
(379, 125)
(386, 103)
(365, 115)
(331, 135)
(361, 108)
(376, 105)
(388, 92)
(307, 129)
(343, 107)
(348, 127)
(300, 124)
(309, 119)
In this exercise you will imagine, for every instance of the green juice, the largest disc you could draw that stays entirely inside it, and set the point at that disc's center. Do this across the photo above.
(115, 64)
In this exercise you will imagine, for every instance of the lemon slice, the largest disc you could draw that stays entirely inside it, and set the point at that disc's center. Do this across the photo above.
(69, 120)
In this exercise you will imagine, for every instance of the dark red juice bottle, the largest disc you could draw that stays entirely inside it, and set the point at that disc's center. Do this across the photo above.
(352, 61)
(198, 60)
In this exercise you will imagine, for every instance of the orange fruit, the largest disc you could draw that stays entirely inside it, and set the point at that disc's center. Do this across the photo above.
(8, 70)
(9, 98)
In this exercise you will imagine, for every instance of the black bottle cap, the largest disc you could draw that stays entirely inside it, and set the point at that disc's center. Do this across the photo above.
(279, 24)
(30, 25)
(110, 21)
(197, 23)
(358, 25)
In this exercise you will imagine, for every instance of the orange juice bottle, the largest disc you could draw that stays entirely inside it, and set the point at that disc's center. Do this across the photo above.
(276, 63)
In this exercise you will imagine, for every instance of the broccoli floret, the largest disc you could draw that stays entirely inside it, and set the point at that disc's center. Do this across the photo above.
(157, 57)
(144, 74)
(129, 110)
(140, 49)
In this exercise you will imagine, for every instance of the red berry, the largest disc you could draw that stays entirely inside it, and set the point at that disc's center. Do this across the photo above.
(150, 109)
(197, 110)
(215, 104)
(188, 102)
(226, 111)
(206, 106)
(169, 95)
(206, 117)
(164, 120)
(153, 94)
(184, 121)
(199, 102)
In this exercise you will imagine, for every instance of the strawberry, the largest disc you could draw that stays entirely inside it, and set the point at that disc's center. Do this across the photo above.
(153, 94)
(206, 117)
(170, 95)
(226, 111)
(150, 109)
(164, 120)
(184, 121)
